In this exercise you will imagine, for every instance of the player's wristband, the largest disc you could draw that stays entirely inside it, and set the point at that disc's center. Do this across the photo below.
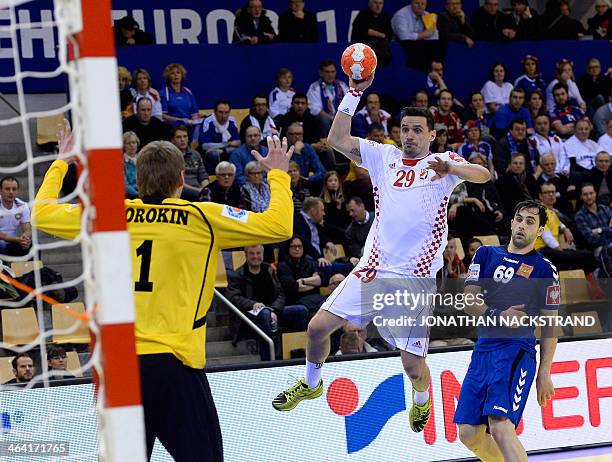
(492, 313)
(349, 103)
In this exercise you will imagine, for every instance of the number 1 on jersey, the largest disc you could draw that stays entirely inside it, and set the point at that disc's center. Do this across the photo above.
(143, 284)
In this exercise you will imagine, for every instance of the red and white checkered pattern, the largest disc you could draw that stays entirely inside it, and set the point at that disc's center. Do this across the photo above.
(374, 258)
(434, 244)
(355, 92)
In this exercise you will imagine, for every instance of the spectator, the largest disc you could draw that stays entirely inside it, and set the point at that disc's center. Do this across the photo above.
(242, 156)
(605, 140)
(358, 183)
(546, 173)
(372, 26)
(443, 115)
(370, 113)
(440, 143)
(594, 86)
(376, 132)
(580, 149)
(130, 154)
(491, 24)
(594, 221)
(128, 32)
(516, 185)
(142, 89)
(353, 340)
(260, 118)
(421, 98)
(478, 113)
(219, 135)
(300, 276)
(600, 25)
(435, 81)
(325, 94)
(547, 142)
(357, 231)
(254, 289)
(309, 225)
(57, 362)
(146, 127)
(496, 91)
(531, 80)
(600, 178)
(255, 193)
(453, 266)
(475, 209)
(474, 144)
(515, 141)
(15, 227)
(23, 369)
(299, 186)
(252, 26)
(224, 190)
(564, 116)
(300, 113)
(280, 98)
(333, 201)
(126, 98)
(548, 243)
(602, 117)
(525, 21)
(565, 74)
(472, 246)
(196, 177)
(394, 137)
(179, 106)
(558, 25)
(536, 104)
(297, 24)
(408, 23)
(304, 154)
(513, 110)
(454, 25)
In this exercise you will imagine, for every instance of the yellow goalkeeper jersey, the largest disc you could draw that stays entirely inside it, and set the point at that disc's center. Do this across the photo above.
(174, 245)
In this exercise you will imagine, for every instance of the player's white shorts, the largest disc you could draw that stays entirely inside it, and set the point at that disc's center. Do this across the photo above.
(397, 305)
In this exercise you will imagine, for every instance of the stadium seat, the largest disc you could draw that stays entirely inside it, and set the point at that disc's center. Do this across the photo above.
(460, 252)
(63, 321)
(293, 341)
(74, 363)
(574, 287)
(23, 267)
(46, 128)
(582, 330)
(19, 326)
(492, 239)
(212, 178)
(324, 291)
(6, 369)
(221, 276)
(238, 259)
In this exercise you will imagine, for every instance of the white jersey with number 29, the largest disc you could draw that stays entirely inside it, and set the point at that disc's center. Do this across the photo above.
(409, 232)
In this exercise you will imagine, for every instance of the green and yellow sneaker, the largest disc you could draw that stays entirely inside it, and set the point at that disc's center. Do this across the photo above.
(290, 398)
(419, 415)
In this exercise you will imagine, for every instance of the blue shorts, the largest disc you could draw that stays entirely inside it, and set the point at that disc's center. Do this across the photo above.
(497, 383)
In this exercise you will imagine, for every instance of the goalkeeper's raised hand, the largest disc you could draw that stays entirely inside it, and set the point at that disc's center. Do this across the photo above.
(278, 154)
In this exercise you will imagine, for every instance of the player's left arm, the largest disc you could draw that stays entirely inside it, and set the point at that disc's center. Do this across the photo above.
(458, 166)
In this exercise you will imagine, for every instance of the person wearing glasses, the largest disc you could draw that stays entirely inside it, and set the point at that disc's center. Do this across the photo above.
(255, 193)
(224, 190)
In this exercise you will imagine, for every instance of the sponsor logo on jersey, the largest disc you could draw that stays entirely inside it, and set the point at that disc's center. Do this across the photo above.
(18, 216)
(524, 270)
(417, 344)
(473, 272)
(235, 213)
(553, 295)
(423, 174)
(393, 165)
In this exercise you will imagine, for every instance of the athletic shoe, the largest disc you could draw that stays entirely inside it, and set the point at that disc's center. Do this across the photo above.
(290, 398)
(419, 415)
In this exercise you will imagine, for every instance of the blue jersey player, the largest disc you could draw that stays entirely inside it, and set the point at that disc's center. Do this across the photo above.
(513, 284)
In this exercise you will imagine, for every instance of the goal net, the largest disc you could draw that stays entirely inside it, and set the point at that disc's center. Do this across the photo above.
(66, 306)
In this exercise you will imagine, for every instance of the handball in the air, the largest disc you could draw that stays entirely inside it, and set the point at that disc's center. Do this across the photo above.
(358, 61)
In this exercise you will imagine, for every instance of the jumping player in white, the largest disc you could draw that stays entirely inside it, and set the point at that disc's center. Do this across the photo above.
(411, 190)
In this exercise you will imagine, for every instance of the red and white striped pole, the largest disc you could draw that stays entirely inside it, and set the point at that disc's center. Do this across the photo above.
(121, 422)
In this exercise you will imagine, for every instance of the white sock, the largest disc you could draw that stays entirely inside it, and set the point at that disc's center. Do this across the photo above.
(421, 397)
(313, 373)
